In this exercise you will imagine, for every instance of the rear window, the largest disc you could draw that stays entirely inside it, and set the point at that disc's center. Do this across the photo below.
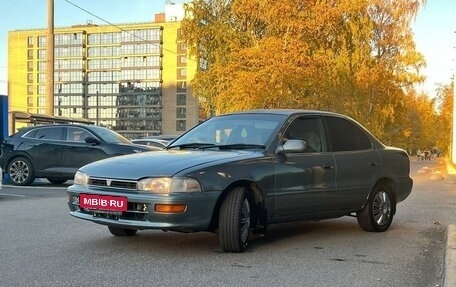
(346, 136)
(48, 133)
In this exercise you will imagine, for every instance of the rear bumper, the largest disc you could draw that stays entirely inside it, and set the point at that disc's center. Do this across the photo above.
(403, 188)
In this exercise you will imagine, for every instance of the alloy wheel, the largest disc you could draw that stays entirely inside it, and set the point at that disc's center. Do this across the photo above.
(381, 208)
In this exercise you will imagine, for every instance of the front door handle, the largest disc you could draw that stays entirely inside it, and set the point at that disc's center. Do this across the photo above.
(373, 163)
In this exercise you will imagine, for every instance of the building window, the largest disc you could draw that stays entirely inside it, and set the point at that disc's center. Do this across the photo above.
(179, 34)
(41, 41)
(29, 78)
(30, 41)
(182, 73)
(41, 90)
(30, 54)
(41, 54)
(29, 90)
(41, 66)
(181, 48)
(41, 101)
(29, 101)
(181, 87)
(181, 60)
(41, 78)
(180, 113)
(29, 66)
(68, 39)
(180, 125)
(181, 99)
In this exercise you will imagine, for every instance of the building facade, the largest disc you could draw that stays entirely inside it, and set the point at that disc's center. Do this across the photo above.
(132, 78)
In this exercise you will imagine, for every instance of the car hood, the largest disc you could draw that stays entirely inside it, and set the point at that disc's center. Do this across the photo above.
(159, 163)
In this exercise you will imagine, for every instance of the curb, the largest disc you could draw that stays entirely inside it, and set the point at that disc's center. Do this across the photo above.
(449, 272)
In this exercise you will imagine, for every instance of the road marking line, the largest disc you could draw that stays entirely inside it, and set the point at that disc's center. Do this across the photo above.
(34, 187)
(8, 194)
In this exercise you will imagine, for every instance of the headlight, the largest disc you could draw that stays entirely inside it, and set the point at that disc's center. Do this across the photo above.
(81, 178)
(169, 184)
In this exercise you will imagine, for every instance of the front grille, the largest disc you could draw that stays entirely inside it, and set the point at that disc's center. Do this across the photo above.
(113, 183)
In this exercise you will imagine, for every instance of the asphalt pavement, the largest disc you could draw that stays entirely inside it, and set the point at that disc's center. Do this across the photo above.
(449, 177)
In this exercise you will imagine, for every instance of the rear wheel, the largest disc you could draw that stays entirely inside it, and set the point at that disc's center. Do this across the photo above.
(377, 214)
(56, 180)
(21, 171)
(234, 221)
(116, 231)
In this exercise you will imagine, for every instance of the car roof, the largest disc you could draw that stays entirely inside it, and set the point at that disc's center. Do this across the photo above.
(286, 112)
(26, 129)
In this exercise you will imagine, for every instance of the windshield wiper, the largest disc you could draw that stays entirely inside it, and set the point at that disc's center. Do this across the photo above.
(192, 145)
(235, 146)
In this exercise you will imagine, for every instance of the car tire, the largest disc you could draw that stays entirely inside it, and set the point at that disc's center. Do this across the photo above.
(234, 221)
(377, 214)
(56, 180)
(21, 172)
(116, 231)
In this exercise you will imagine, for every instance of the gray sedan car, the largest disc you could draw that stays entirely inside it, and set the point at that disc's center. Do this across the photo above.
(237, 173)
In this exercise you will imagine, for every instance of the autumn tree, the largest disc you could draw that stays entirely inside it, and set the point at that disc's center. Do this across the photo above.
(443, 125)
(354, 57)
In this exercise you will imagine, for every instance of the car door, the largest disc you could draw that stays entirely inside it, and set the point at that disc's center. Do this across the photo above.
(45, 145)
(305, 181)
(357, 162)
(77, 152)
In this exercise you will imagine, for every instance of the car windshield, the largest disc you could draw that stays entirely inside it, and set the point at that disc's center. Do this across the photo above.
(231, 131)
(109, 136)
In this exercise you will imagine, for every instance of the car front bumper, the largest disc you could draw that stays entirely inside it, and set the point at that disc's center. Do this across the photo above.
(141, 214)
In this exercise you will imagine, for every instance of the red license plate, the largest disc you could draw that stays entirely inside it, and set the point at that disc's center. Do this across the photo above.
(103, 202)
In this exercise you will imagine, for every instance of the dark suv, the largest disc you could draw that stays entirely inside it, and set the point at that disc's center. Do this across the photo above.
(56, 152)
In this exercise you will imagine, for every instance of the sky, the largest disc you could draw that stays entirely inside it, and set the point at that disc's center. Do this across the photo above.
(434, 28)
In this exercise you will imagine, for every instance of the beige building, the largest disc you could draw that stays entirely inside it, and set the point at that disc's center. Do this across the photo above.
(133, 78)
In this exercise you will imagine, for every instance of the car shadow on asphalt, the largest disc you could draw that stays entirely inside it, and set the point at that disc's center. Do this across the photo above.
(176, 243)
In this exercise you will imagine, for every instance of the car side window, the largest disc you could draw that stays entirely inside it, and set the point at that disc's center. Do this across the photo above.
(346, 136)
(307, 130)
(75, 134)
(49, 133)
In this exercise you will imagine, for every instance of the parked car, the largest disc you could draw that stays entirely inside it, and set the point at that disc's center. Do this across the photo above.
(57, 151)
(151, 142)
(240, 172)
(158, 141)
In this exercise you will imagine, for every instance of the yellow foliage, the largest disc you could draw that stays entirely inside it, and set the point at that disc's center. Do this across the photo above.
(351, 56)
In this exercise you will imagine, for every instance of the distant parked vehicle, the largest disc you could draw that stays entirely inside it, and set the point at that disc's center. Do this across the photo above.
(161, 141)
(151, 142)
(57, 151)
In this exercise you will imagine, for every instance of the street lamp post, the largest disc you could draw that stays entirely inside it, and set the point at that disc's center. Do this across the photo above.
(97, 109)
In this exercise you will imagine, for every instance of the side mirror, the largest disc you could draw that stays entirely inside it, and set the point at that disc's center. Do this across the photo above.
(294, 146)
(92, 140)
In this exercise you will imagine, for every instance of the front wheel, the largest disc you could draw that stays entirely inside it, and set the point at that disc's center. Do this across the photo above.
(234, 221)
(21, 172)
(377, 214)
(116, 231)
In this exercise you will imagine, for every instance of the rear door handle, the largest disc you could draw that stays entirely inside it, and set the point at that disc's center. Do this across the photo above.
(373, 163)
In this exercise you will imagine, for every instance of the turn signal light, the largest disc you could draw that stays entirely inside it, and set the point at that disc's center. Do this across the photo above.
(170, 208)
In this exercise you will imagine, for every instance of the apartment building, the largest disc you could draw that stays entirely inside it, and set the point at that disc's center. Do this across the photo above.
(133, 78)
